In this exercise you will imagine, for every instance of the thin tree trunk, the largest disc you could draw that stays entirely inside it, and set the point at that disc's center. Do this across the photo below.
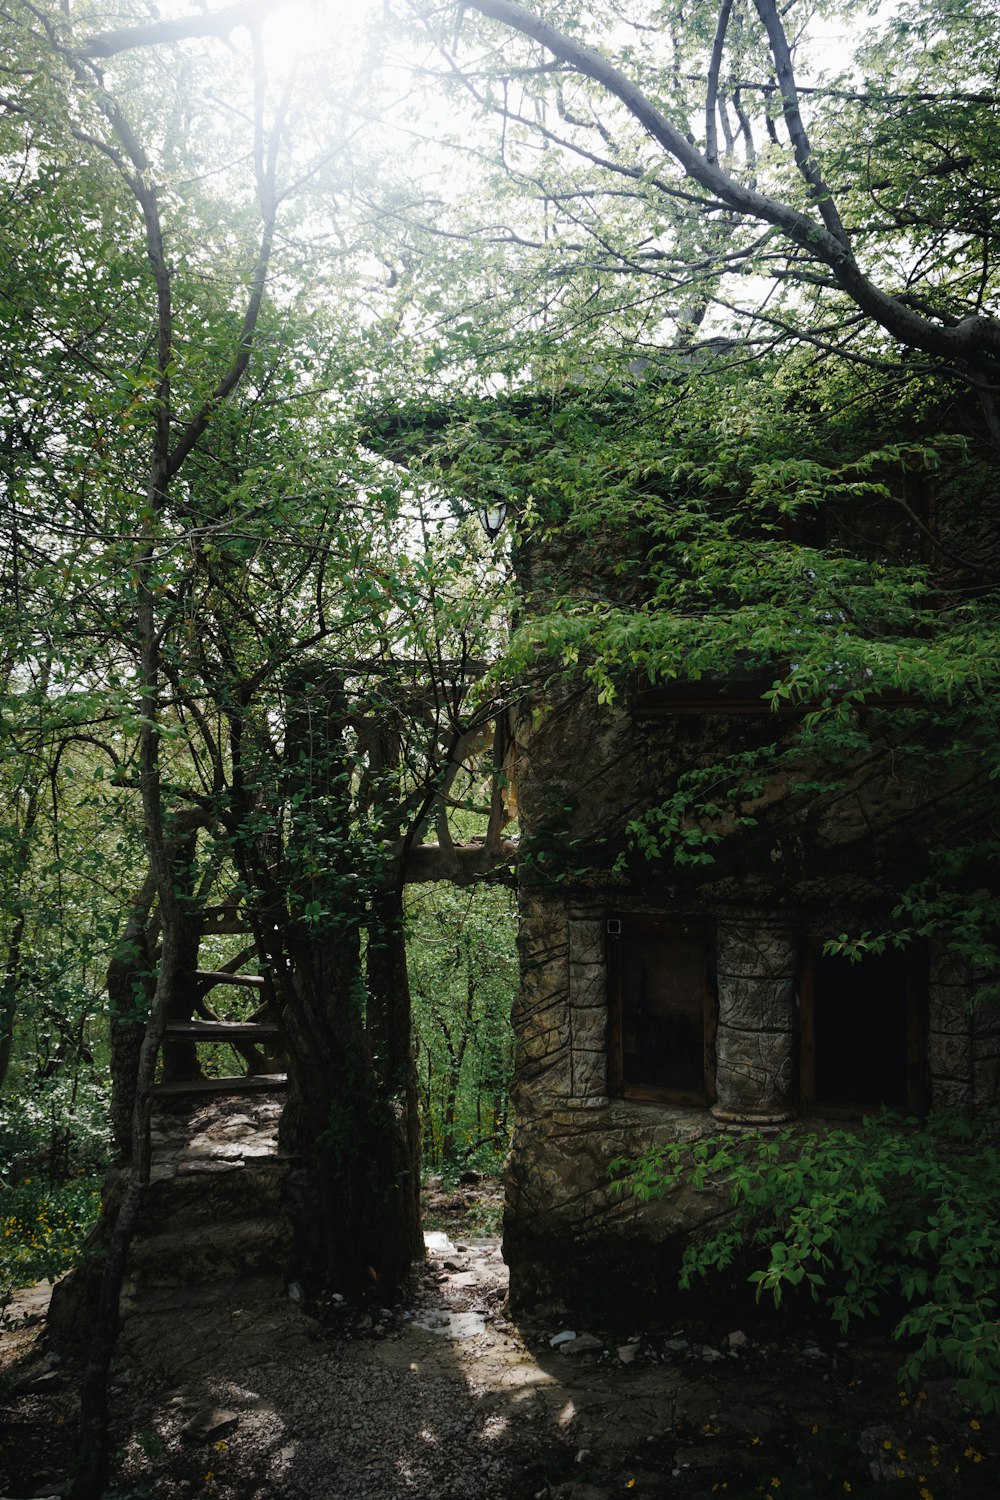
(130, 995)
(166, 459)
(93, 1423)
(389, 980)
(10, 983)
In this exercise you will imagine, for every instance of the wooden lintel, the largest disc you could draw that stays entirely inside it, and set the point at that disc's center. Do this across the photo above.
(462, 864)
(225, 925)
(220, 1088)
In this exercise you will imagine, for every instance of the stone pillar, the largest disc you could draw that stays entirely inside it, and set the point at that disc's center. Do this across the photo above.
(588, 1013)
(949, 1030)
(755, 1043)
(986, 1054)
(541, 1017)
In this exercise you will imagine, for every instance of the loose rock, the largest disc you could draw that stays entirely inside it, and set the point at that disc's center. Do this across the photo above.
(209, 1424)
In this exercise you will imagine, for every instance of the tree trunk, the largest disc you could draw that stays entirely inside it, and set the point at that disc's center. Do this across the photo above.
(180, 1056)
(10, 982)
(327, 1122)
(9, 993)
(351, 1118)
(92, 1478)
(389, 987)
(355, 1194)
(130, 996)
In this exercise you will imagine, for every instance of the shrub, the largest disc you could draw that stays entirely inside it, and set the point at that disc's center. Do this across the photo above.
(893, 1208)
(57, 1127)
(42, 1226)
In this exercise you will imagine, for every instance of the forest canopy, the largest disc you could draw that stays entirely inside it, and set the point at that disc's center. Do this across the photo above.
(708, 293)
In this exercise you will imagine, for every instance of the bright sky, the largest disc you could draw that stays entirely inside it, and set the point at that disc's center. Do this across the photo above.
(298, 28)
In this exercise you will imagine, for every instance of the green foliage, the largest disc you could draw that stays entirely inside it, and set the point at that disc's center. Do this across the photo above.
(463, 975)
(42, 1226)
(830, 1464)
(892, 1212)
(703, 502)
(55, 1128)
(707, 515)
(760, 526)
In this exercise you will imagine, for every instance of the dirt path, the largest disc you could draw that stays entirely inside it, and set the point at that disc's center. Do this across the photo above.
(238, 1389)
(241, 1392)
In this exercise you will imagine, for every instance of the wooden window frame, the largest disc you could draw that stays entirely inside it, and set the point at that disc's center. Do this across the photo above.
(639, 924)
(917, 1087)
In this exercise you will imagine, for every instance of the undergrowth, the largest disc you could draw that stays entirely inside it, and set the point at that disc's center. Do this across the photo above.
(892, 1213)
(42, 1225)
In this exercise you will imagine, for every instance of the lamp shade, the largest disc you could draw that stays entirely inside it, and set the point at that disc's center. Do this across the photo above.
(492, 517)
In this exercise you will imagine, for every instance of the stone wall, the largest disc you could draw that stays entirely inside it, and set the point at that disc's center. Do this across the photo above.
(566, 1229)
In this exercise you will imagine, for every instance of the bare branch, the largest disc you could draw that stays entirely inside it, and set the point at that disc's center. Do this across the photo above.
(712, 92)
(750, 150)
(804, 158)
(266, 164)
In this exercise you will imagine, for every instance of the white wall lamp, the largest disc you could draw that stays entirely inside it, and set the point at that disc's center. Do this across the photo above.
(492, 517)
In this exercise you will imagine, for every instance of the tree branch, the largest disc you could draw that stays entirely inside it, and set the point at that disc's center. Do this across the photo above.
(974, 343)
(804, 158)
(266, 167)
(155, 33)
(712, 92)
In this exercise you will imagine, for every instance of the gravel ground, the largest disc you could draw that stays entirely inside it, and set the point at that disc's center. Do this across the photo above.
(241, 1392)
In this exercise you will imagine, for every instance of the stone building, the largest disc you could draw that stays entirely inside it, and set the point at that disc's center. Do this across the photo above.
(660, 1003)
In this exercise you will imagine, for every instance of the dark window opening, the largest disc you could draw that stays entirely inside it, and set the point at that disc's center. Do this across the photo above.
(897, 530)
(739, 689)
(862, 1033)
(661, 1009)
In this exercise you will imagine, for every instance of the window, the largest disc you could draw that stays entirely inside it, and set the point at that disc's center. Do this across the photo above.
(863, 1033)
(896, 529)
(739, 690)
(662, 1010)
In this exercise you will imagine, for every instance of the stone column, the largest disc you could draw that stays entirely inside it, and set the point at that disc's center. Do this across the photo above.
(541, 1018)
(588, 1013)
(949, 1031)
(755, 1043)
(986, 1054)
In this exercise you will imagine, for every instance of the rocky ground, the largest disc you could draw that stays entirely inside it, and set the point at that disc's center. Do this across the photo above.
(241, 1391)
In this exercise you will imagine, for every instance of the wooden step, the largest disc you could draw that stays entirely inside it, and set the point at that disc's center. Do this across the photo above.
(209, 977)
(221, 1088)
(221, 1031)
